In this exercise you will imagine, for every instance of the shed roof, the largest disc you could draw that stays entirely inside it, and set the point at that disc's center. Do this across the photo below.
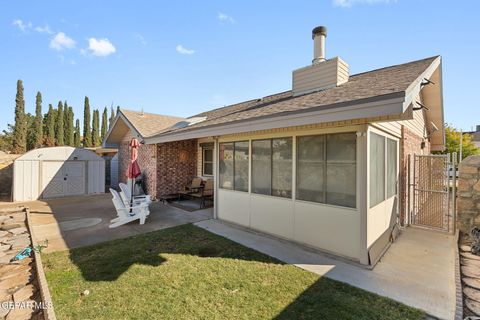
(60, 154)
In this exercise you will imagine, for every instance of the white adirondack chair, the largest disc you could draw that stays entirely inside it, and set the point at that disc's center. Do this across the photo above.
(126, 195)
(127, 213)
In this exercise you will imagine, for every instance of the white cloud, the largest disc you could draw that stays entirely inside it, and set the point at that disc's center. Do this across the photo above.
(182, 50)
(225, 18)
(22, 25)
(61, 41)
(45, 29)
(141, 39)
(100, 47)
(350, 3)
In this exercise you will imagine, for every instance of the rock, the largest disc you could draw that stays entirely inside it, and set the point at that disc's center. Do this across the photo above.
(20, 314)
(13, 270)
(3, 218)
(5, 247)
(472, 293)
(18, 230)
(472, 282)
(469, 271)
(24, 262)
(24, 293)
(465, 248)
(4, 312)
(3, 234)
(18, 217)
(7, 227)
(473, 306)
(6, 258)
(469, 262)
(13, 283)
(469, 255)
(20, 244)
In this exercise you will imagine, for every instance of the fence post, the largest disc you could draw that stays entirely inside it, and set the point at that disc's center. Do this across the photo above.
(454, 191)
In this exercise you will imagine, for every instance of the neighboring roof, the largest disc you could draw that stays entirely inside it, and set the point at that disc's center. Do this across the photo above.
(148, 124)
(378, 84)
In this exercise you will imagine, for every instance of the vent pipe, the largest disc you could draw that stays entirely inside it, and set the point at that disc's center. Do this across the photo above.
(319, 34)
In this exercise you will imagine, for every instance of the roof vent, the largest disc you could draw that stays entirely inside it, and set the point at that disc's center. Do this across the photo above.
(323, 73)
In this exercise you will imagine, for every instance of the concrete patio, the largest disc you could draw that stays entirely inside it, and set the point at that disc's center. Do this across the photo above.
(79, 221)
(418, 269)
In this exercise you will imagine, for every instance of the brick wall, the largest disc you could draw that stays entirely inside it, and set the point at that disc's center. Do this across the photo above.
(409, 144)
(177, 165)
(146, 161)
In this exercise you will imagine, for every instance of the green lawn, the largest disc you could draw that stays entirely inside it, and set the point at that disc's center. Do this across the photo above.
(188, 273)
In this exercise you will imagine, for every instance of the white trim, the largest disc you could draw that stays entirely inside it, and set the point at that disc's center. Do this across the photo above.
(112, 127)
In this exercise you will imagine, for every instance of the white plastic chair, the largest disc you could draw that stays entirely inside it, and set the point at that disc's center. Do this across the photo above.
(127, 193)
(125, 213)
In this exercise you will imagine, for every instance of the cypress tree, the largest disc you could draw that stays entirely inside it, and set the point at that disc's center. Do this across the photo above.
(112, 116)
(20, 130)
(69, 136)
(31, 135)
(104, 124)
(38, 122)
(76, 140)
(95, 129)
(50, 126)
(60, 129)
(87, 134)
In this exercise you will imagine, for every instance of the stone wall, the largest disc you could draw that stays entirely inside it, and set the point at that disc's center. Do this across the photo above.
(176, 165)
(410, 144)
(6, 176)
(147, 162)
(468, 192)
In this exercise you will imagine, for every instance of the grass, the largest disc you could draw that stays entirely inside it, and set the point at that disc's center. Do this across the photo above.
(188, 273)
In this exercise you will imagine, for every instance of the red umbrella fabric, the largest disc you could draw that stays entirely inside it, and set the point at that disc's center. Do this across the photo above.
(133, 169)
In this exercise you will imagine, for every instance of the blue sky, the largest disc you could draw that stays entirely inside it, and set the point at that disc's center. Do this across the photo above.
(181, 58)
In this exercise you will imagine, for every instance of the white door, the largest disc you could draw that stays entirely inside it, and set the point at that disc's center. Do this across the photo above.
(60, 179)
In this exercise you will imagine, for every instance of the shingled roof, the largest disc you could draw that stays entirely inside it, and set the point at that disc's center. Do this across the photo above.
(148, 124)
(378, 83)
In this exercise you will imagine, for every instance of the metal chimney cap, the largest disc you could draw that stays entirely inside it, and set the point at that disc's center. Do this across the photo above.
(319, 30)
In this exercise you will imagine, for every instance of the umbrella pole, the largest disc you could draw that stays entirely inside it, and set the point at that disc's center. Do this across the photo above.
(131, 175)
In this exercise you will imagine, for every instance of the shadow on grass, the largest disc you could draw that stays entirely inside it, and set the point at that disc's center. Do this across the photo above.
(109, 260)
(330, 299)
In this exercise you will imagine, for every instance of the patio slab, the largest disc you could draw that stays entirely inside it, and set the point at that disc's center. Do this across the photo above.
(418, 269)
(79, 221)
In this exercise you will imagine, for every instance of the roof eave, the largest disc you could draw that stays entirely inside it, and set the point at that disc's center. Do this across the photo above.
(388, 105)
(107, 141)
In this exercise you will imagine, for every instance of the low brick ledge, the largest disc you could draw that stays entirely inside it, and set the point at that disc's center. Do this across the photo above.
(49, 313)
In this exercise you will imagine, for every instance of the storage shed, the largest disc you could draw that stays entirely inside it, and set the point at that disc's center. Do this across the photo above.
(57, 172)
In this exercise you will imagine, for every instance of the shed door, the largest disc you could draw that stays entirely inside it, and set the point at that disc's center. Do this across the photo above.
(62, 179)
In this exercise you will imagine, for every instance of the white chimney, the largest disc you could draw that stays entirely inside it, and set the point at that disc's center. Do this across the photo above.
(319, 34)
(322, 73)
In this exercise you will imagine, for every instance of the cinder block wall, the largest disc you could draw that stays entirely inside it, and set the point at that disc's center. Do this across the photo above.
(468, 201)
(410, 143)
(176, 165)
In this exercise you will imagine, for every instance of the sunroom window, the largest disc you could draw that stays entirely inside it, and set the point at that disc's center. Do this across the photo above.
(233, 165)
(383, 168)
(272, 167)
(326, 169)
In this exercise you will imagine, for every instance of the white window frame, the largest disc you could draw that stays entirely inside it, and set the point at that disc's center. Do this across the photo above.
(204, 161)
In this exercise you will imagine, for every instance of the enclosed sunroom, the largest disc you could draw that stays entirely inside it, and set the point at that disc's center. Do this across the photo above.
(331, 189)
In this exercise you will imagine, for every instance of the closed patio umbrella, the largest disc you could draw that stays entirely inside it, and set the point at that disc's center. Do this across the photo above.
(133, 169)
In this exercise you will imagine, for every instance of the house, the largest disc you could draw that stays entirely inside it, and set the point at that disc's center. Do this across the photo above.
(322, 164)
